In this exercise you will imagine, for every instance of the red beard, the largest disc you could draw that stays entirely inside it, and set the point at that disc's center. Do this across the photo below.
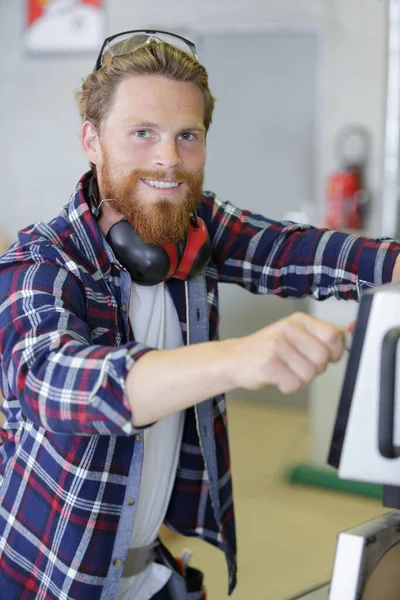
(156, 222)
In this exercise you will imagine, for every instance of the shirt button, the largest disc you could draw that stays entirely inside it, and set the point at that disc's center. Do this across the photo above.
(138, 437)
(123, 308)
(130, 501)
(117, 562)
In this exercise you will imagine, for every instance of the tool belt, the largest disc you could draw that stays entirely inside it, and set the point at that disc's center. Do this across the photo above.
(183, 576)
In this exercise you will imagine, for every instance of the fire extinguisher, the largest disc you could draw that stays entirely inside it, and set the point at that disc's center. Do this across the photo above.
(347, 196)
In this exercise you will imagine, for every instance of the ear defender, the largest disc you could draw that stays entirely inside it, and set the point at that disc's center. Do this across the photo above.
(196, 252)
(149, 264)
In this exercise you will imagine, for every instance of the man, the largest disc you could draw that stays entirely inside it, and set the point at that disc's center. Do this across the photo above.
(115, 415)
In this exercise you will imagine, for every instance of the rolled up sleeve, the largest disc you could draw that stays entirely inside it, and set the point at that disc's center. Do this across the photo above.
(63, 382)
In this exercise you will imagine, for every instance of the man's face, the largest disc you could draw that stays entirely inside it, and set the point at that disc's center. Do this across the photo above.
(152, 155)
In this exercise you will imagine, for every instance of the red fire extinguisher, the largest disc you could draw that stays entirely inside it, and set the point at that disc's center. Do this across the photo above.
(347, 196)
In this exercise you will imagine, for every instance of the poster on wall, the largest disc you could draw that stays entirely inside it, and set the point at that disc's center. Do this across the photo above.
(63, 26)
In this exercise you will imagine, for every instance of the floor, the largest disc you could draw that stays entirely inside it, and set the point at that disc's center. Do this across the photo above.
(286, 533)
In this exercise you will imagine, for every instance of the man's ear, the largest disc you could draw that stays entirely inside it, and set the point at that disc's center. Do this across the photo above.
(90, 143)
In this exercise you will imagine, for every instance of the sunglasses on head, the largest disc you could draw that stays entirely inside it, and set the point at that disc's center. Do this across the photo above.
(129, 41)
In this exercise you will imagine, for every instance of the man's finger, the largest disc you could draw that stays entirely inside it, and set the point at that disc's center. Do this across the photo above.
(331, 336)
(298, 361)
(308, 345)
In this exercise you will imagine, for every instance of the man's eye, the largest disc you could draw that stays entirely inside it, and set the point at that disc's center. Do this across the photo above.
(143, 133)
(187, 136)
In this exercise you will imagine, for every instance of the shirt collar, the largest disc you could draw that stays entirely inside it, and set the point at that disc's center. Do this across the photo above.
(83, 212)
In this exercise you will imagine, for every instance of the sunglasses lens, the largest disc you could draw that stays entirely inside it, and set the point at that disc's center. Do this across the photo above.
(127, 43)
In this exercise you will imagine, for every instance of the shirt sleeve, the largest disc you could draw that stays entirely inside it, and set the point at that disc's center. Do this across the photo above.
(62, 381)
(292, 260)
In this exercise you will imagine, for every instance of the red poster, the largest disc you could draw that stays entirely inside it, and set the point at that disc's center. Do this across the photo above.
(64, 25)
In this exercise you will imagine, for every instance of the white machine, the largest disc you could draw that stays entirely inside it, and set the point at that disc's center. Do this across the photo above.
(366, 447)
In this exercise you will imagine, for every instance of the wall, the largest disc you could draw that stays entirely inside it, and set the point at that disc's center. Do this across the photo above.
(268, 114)
(355, 83)
(39, 145)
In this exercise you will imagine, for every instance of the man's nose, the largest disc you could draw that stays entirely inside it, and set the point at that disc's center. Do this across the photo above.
(167, 154)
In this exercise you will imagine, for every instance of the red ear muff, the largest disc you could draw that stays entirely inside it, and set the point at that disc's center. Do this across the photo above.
(196, 252)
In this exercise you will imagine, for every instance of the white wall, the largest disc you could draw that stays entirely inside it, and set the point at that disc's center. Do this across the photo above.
(40, 158)
(355, 82)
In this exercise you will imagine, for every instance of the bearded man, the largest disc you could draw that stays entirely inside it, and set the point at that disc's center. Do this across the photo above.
(112, 373)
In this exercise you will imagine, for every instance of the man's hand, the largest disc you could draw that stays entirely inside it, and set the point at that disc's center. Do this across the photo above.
(289, 354)
(396, 270)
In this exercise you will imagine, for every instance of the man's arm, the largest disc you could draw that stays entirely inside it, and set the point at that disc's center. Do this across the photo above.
(292, 260)
(63, 381)
(288, 354)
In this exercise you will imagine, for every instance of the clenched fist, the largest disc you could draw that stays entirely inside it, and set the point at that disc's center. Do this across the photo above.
(289, 353)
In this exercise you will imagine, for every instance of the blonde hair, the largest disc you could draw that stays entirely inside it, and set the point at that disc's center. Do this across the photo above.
(95, 98)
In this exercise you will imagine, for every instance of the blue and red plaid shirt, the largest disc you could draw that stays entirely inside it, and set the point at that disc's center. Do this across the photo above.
(70, 457)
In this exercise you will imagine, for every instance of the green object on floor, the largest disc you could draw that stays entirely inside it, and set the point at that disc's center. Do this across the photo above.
(308, 474)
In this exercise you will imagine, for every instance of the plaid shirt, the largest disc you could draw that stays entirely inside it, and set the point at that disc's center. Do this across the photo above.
(70, 458)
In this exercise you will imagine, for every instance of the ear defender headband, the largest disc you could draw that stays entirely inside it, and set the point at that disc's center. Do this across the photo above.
(148, 264)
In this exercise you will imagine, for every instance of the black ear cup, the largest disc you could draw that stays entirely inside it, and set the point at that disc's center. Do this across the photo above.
(149, 264)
